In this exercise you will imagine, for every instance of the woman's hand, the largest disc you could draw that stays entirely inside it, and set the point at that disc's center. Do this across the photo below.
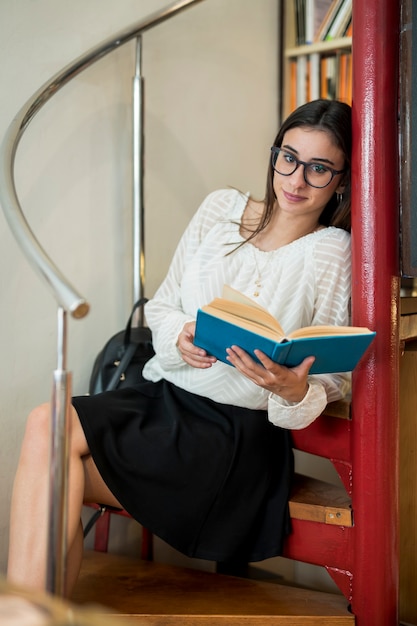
(191, 354)
(288, 383)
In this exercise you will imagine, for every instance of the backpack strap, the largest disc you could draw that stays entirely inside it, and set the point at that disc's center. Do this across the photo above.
(130, 348)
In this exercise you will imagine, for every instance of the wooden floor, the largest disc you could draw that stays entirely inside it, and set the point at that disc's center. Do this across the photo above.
(145, 593)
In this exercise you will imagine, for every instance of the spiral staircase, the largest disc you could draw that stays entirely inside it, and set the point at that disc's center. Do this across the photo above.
(334, 527)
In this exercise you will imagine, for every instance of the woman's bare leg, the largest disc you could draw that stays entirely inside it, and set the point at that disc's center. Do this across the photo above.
(74, 558)
(28, 523)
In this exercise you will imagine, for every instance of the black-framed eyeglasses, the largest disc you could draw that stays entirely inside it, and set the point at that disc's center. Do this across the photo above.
(315, 174)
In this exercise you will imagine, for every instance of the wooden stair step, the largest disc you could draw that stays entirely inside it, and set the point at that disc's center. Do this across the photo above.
(338, 408)
(318, 501)
(312, 500)
(143, 592)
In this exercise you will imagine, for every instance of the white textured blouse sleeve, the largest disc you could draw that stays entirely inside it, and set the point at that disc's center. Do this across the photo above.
(301, 414)
(332, 270)
(164, 312)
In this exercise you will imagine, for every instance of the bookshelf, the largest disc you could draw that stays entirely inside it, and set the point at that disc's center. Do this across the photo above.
(317, 51)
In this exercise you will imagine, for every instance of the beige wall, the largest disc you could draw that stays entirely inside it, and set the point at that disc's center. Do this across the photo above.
(211, 111)
(211, 114)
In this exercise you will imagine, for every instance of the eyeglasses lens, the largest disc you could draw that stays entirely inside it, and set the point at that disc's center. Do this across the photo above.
(315, 174)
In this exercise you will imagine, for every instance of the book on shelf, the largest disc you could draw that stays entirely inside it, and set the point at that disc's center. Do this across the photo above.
(349, 29)
(300, 15)
(318, 75)
(344, 90)
(329, 76)
(235, 319)
(327, 20)
(309, 16)
(309, 21)
(301, 80)
(293, 84)
(341, 21)
(314, 76)
(316, 11)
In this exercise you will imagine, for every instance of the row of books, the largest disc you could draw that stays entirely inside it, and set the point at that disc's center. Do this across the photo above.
(322, 20)
(316, 75)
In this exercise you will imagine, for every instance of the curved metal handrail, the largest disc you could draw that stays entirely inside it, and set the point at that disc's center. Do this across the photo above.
(65, 294)
(68, 299)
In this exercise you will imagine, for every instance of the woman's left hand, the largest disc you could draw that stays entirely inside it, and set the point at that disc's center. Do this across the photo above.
(288, 383)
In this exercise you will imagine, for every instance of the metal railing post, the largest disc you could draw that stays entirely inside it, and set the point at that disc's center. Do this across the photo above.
(58, 467)
(138, 180)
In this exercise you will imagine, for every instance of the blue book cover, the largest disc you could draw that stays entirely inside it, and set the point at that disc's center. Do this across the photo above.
(333, 352)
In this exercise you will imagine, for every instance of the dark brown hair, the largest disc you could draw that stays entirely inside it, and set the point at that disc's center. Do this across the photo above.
(335, 118)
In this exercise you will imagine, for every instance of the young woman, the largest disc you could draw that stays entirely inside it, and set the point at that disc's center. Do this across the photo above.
(198, 451)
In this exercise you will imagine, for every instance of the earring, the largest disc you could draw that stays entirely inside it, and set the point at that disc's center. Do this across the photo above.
(339, 197)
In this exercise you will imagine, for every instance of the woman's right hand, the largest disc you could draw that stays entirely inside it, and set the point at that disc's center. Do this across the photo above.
(191, 354)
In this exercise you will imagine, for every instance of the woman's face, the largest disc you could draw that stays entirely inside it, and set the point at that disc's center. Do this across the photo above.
(294, 194)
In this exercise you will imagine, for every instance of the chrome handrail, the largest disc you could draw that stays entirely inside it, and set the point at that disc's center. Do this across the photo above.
(65, 294)
(67, 297)
(138, 158)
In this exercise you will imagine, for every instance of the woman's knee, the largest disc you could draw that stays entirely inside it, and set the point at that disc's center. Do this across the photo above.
(38, 432)
(38, 424)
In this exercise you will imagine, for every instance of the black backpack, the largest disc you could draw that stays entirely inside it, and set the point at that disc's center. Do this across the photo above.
(120, 362)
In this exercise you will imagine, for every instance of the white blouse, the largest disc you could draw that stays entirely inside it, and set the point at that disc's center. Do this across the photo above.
(304, 283)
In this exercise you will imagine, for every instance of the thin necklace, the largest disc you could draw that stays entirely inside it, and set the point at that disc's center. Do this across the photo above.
(259, 272)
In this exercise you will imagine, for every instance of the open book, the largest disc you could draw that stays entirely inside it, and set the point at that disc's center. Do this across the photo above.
(237, 320)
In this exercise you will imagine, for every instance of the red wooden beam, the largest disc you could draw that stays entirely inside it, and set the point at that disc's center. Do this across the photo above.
(327, 437)
(319, 544)
(375, 303)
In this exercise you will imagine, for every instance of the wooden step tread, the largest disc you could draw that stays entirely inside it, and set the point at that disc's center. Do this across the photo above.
(318, 501)
(315, 501)
(154, 593)
(338, 408)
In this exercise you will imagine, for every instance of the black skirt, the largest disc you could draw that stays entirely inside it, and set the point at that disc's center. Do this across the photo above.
(210, 479)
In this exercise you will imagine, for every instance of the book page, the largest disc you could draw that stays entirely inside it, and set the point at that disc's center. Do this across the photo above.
(236, 296)
(238, 304)
(327, 331)
(240, 321)
(239, 308)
